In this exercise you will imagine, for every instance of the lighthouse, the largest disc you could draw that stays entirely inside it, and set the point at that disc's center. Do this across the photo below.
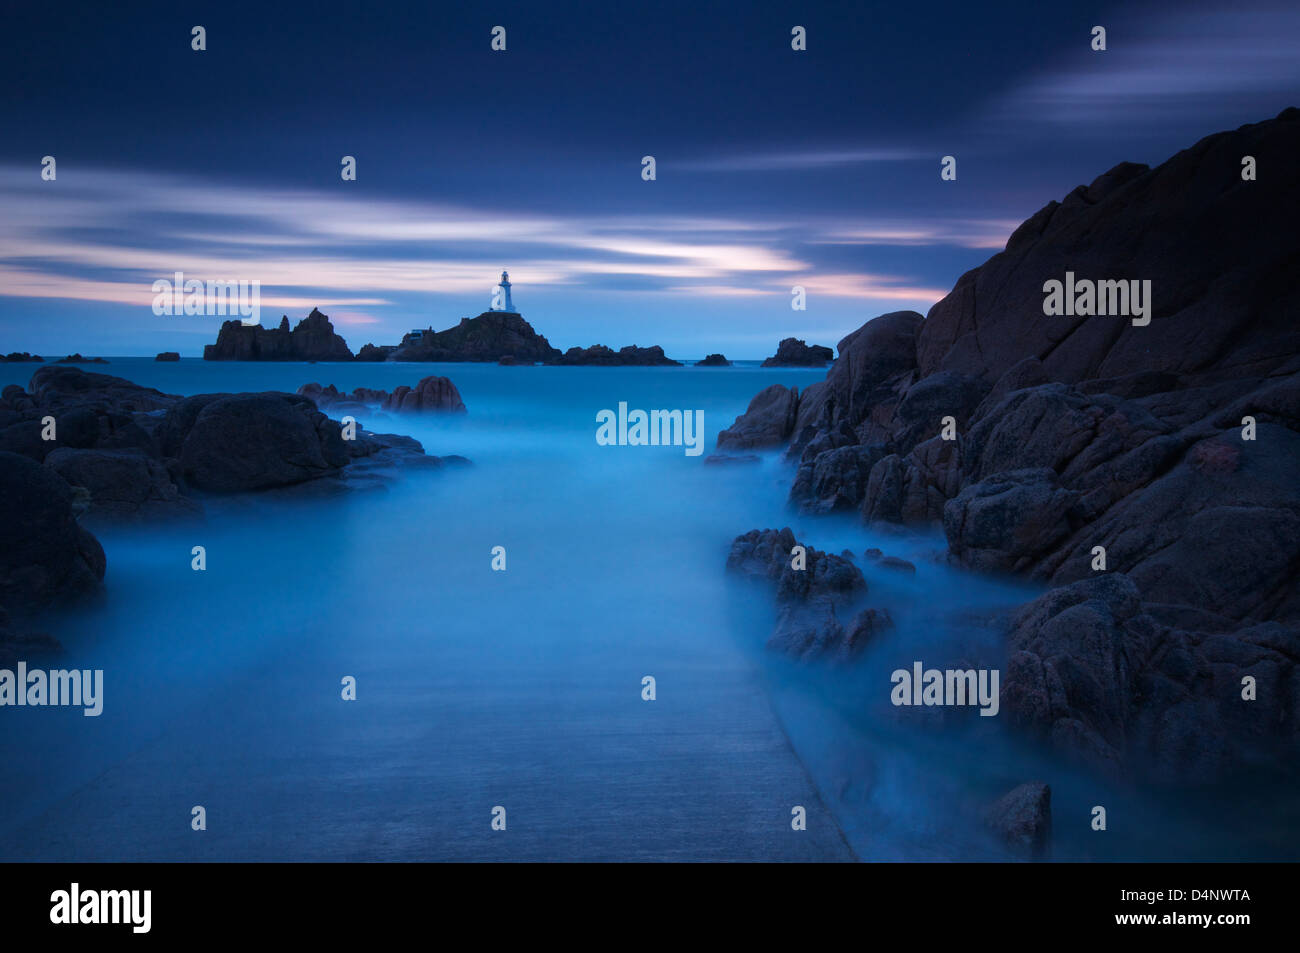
(501, 295)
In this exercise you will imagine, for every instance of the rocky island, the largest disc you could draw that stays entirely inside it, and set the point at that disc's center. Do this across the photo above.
(313, 339)
(792, 352)
(602, 356)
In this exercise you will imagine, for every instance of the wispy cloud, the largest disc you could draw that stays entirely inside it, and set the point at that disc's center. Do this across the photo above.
(783, 161)
(106, 236)
(1165, 67)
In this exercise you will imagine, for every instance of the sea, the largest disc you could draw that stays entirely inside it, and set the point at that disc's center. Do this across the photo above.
(505, 714)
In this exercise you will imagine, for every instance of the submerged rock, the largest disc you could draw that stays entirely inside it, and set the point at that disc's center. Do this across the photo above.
(1022, 820)
(713, 360)
(810, 600)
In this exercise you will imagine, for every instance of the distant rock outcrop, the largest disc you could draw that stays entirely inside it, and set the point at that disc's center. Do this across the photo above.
(488, 337)
(630, 356)
(168, 356)
(373, 352)
(437, 394)
(792, 352)
(312, 340)
(18, 357)
(78, 359)
(713, 360)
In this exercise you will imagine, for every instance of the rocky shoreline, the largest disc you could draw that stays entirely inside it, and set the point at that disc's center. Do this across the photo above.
(1146, 473)
(81, 451)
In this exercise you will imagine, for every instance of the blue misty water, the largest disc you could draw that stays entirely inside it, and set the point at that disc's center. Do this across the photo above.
(520, 688)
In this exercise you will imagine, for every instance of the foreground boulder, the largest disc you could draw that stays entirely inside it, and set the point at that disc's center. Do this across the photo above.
(231, 443)
(1111, 681)
(817, 595)
(122, 486)
(46, 557)
(134, 453)
(768, 421)
(1022, 820)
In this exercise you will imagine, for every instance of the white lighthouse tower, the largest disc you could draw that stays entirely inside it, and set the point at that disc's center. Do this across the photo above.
(501, 295)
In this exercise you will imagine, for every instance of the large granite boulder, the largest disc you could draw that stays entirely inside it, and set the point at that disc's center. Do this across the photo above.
(435, 394)
(1219, 252)
(46, 557)
(767, 422)
(229, 443)
(123, 486)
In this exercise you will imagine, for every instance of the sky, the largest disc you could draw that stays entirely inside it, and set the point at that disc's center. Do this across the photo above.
(773, 167)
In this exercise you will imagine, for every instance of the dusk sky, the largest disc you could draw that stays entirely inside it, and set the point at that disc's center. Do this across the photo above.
(775, 168)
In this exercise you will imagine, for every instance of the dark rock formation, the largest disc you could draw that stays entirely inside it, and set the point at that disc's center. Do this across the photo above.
(768, 422)
(134, 453)
(229, 443)
(1022, 820)
(713, 360)
(168, 356)
(430, 394)
(16, 645)
(46, 557)
(122, 485)
(488, 337)
(1148, 472)
(88, 410)
(628, 356)
(373, 352)
(312, 340)
(78, 359)
(810, 600)
(18, 357)
(792, 352)
(889, 562)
